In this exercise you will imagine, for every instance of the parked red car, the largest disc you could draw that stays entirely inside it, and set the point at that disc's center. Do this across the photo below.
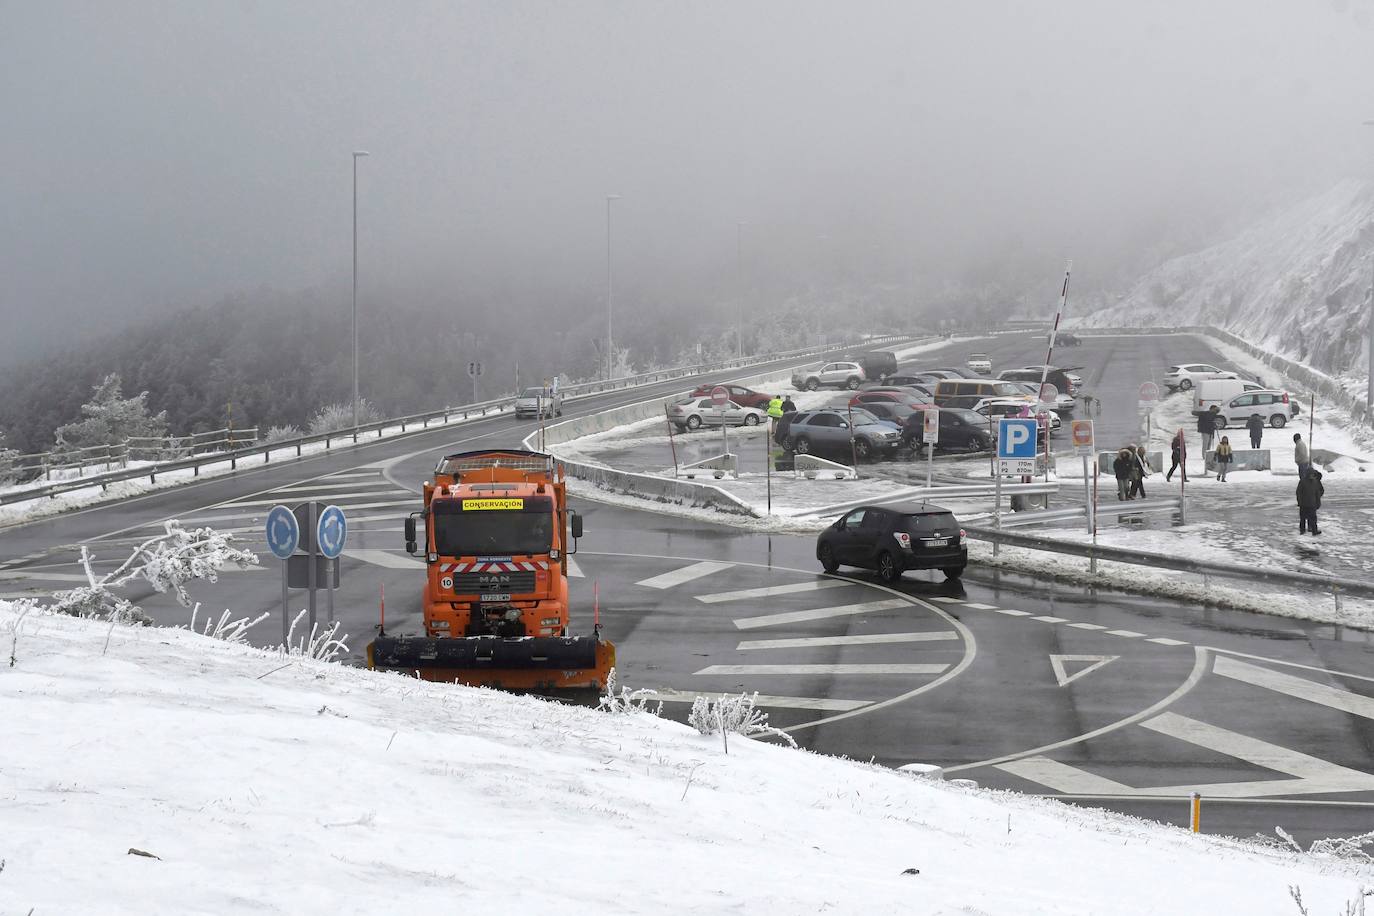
(907, 396)
(744, 397)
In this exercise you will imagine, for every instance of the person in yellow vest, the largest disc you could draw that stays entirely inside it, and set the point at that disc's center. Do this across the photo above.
(774, 411)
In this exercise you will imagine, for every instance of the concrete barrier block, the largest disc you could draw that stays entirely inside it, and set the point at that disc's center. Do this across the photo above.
(1248, 459)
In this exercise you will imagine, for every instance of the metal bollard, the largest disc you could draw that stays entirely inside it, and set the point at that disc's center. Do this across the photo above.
(1197, 813)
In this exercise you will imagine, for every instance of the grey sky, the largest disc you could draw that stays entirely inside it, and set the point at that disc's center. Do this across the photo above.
(162, 154)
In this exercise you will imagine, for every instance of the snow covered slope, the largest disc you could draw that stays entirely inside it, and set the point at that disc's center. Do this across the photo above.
(1296, 284)
(271, 785)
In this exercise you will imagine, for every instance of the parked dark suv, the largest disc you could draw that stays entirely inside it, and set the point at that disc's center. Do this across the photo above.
(893, 539)
(960, 430)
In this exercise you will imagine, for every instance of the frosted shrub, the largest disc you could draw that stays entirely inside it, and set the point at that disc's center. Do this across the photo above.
(235, 631)
(738, 714)
(323, 645)
(333, 417)
(620, 700)
(166, 562)
(285, 433)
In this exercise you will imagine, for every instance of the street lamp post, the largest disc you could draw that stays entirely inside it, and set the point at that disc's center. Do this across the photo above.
(610, 350)
(357, 154)
(739, 285)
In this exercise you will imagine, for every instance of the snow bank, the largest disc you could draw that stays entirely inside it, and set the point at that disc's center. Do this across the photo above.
(262, 784)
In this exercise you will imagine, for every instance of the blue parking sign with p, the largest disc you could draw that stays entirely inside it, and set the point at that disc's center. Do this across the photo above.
(1016, 438)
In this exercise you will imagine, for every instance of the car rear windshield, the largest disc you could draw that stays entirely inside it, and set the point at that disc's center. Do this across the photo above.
(532, 393)
(1006, 390)
(928, 523)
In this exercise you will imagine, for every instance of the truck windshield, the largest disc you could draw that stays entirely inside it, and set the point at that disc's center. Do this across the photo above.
(490, 534)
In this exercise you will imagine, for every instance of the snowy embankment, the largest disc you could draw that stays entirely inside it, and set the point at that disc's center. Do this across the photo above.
(159, 771)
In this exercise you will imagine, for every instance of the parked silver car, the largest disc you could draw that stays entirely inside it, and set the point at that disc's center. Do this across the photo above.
(827, 432)
(539, 402)
(694, 413)
(841, 374)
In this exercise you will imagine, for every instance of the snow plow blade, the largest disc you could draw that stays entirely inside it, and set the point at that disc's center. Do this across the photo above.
(547, 665)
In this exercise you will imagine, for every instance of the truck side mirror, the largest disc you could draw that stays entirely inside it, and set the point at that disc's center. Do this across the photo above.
(410, 534)
(576, 526)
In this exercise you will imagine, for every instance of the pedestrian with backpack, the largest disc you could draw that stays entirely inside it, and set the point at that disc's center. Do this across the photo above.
(1224, 457)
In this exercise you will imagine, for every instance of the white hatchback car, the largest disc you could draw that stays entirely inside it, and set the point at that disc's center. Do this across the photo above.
(1184, 377)
(539, 402)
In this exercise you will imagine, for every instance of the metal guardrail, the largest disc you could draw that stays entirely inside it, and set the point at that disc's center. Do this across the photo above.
(941, 491)
(482, 408)
(1257, 572)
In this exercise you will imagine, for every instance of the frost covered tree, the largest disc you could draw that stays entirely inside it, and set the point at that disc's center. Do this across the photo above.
(8, 472)
(166, 562)
(340, 416)
(109, 418)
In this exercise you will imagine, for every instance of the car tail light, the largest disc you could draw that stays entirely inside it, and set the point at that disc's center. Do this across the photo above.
(903, 538)
(963, 536)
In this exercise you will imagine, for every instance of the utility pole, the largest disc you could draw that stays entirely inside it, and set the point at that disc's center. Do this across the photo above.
(357, 154)
(739, 285)
(610, 349)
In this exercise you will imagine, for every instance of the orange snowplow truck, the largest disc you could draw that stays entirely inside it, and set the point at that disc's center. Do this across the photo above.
(496, 545)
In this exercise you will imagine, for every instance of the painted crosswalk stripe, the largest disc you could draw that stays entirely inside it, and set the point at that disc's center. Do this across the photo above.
(331, 486)
(333, 497)
(384, 558)
(823, 704)
(204, 519)
(772, 590)
(575, 571)
(980, 607)
(1165, 641)
(1129, 634)
(1298, 687)
(1011, 613)
(44, 576)
(820, 613)
(947, 600)
(685, 574)
(1062, 777)
(1047, 619)
(1087, 626)
(804, 670)
(811, 642)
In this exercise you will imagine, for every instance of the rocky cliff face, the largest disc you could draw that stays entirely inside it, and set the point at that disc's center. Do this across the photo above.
(1297, 284)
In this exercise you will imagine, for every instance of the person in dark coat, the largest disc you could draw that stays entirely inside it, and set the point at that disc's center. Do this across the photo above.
(1256, 426)
(1207, 426)
(1122, 466)
(1176, 455)
(1140, 469)
(1310, 492)
(787, 405)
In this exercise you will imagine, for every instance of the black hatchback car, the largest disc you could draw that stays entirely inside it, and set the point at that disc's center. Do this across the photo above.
(893, 539)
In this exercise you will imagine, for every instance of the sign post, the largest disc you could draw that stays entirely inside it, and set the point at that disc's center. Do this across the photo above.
(1049, 399)
(930, 431)
(324, 532)
(474, 373)
(1084, 442)
(720, 396)
(331, 533)
(283, 536)
(1148, 397)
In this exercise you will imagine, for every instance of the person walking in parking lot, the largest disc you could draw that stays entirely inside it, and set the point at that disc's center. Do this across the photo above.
(1310, 492)
(1207, 425)
(774, 411)
(1176, 456)
(1302, 456)
(1121, 467)
(1256, 426)
(787, 405)
(1140, 469)
(1224, 457)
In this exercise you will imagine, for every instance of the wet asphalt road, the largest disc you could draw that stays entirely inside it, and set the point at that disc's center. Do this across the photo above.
(1112, 700)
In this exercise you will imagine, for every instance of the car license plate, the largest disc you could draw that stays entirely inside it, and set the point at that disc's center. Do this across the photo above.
(495, 598)
(937, 542)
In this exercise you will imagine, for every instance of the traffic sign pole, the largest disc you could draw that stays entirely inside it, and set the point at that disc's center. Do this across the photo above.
(314, 517)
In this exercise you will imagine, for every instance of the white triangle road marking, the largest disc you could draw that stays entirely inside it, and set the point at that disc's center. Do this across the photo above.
(575, 571)
(1064, 678)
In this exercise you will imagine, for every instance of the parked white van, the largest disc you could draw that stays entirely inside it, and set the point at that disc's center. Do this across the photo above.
(1219, 391)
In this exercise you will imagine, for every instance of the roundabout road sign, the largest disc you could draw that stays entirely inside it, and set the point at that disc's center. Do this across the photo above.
(331, 532)
(283, 534)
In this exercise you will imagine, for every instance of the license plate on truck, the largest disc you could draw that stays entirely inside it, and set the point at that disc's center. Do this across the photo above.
(494, 598)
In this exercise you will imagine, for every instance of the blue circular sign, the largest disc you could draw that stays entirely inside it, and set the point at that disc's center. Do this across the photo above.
(331, 531)
(283, 534)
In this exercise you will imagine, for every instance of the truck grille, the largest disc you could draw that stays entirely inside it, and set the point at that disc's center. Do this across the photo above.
(486, 583)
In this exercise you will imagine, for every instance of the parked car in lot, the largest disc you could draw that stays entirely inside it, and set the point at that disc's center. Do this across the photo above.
(1008, 407)
(920, 382)
(960, 431)
(539, 402)
(828, 432)
(908, 396)
(840, 374)
(694, 413)
(939, 375)
(893, 412)
(893, 539)
(877, 363)
(1186, 376)
(1062, 379)
(957, 372)
(1219, 391)
(1275, 406)
(980, 363)
(968, 392)
(744, 397)
(1063, 403)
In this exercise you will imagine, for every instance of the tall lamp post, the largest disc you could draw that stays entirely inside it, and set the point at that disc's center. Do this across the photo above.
(610, 350)
(739, 285)
(1369, 385)
(357, 154)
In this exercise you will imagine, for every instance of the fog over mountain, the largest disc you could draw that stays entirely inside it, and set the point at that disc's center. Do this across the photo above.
(160, 155)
